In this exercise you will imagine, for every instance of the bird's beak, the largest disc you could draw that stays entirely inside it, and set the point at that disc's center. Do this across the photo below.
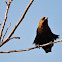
(46, 18)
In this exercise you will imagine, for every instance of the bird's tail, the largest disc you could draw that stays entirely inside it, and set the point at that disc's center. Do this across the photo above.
(48, 50)
(55, 36)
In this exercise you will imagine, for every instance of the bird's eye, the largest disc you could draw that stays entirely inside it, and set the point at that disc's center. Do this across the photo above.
(43, 18)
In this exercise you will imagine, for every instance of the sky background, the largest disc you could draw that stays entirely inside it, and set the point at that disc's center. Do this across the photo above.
(27, 30)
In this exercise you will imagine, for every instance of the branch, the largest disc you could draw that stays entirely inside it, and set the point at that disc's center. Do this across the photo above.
(5, 32)
(12, 32)
(15, 38)
(30, 48)
(8, 5)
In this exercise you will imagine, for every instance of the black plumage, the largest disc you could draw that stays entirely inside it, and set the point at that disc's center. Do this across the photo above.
(44, 35)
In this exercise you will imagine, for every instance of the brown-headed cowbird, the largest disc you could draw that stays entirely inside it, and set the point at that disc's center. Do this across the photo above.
(44, 35)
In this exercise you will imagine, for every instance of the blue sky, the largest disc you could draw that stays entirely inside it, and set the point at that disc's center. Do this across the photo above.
(27, 30)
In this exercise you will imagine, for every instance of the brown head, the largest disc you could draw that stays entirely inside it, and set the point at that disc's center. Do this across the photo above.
(43, 21)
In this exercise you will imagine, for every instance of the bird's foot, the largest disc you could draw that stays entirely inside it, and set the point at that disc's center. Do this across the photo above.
(38, 46)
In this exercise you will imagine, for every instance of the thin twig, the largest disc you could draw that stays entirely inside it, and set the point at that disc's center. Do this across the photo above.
(7, 39)
(6, 32)
(15, 38)
(8, 5)
(30, 48)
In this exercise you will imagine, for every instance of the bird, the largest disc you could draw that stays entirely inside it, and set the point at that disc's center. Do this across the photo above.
(44, 35)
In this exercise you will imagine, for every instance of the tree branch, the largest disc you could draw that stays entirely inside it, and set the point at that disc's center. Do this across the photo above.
(14, 38)
(12, 32)
(30, 48)
(8, 5)
(5, 32)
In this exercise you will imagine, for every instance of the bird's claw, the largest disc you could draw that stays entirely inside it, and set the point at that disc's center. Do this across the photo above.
(38, 46)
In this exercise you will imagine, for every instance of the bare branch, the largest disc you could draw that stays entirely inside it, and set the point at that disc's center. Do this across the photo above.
(6, 32)
(7, 39)
(8, 5)
(30, 48)
(15, 38)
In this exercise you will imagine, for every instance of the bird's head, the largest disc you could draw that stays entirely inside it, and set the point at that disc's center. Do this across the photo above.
(44, 18)
(43, 21)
